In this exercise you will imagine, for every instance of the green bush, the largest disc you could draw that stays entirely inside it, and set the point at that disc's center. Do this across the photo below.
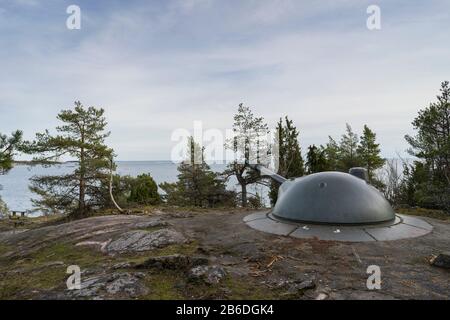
(255, 202)
(144, 191)
(130, 191)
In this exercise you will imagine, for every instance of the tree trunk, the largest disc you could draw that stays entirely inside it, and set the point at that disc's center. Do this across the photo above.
(111, 188)
(244, 195)
(81, 199)
(81, 205)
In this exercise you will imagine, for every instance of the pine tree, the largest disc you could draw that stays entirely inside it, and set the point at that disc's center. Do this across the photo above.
(82, 137)
(413, 189)
(369, 153)
(248, 147)
(431, 145)
(293, 165)
(8, 147)
(348, 150)
(290, 161)
(197, 185)
(315, 160)
(332, 155)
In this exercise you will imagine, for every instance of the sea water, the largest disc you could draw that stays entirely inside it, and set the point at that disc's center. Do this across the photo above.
(15, 192)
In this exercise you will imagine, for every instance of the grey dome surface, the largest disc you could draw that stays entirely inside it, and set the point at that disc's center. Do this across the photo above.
(331, 198)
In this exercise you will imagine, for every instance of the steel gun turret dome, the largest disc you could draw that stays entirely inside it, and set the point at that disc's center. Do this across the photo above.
(330, 198)
(333, 206)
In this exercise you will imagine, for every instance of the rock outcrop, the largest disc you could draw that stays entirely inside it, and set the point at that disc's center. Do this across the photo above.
(442, 260)
(125, 285)
(141, 240)
(207, 274)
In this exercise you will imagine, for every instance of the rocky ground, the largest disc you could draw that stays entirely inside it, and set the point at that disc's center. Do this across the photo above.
(211, 255)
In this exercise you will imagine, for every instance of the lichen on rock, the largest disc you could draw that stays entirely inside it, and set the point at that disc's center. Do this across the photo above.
(126, 285)
(208, 274)
(140, 240)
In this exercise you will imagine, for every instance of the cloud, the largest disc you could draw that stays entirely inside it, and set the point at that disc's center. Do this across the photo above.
(31, 3)
(161, 65)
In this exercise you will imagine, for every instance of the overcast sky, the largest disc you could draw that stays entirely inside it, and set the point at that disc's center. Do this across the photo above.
(156, 66)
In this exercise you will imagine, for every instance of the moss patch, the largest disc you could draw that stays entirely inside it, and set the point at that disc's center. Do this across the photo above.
(186, 249)
(45, 269)
(137, 258)
(430, 213)
(4, 249)
(244, 288)
(164, 286)
(70, 255)
(24, 284)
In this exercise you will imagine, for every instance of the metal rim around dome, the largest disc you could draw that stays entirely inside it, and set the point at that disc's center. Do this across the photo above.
(403, 227)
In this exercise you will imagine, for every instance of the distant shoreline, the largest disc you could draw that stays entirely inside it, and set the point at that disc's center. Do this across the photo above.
(34, 163)
(31, 162)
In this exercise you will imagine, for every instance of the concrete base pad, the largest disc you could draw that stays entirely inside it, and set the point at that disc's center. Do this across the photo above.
(403, 227)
